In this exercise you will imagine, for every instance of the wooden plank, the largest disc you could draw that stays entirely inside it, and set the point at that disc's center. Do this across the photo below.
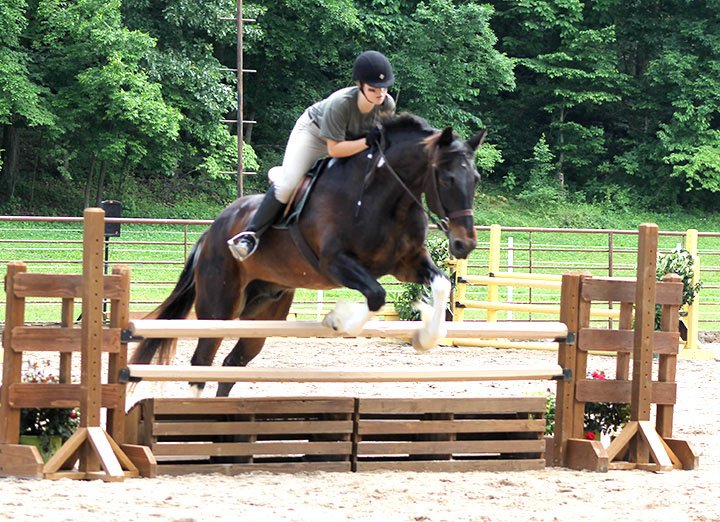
(375, 427)
(459, 405)
(92, 323)
(567, 358)
(108, 460)
(142, 458)
(119, 318)
(584, 454)
(253, 448)
(624, 290)
(621, 341)
(67, 451)
(619, 443)
(158, 372)
(366, 448)
(65, 286)
(667, 365)
(685, 452)
(272, 427)
(453, 465)
(17, 460)
(655, 446)
(622, 363)
(12, 361)
(64, 340)
(641, 399)
(596, 390)
(237, 469)
(269, 405)
(32, 395)
(169, 328)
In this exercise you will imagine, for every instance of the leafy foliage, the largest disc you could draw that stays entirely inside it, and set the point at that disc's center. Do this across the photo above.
(413, 292)
(46, 422)
(680, 262)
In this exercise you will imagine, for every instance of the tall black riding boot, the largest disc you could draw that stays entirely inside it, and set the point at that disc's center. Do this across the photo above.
(244, 244)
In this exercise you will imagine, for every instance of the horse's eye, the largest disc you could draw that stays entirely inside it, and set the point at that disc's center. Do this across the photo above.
(447, 181)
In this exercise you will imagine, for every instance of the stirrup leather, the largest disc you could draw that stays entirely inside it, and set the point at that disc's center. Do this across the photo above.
(243, 245)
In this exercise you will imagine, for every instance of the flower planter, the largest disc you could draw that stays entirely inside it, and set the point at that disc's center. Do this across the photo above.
(47, 446)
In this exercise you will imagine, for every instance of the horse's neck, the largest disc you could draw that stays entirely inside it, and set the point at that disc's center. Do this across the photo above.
(410, 165)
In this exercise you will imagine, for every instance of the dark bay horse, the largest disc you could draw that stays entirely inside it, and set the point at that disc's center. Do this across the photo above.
(360, 223)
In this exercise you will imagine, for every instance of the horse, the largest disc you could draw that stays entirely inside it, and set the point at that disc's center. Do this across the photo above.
(363, 219)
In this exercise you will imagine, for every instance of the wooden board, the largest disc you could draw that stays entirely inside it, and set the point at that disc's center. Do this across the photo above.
(61, 285)
(293, 434)
(159, 372)
(168, 328)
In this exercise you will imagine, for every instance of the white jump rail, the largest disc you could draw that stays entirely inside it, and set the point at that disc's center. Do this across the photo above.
(156, 372)
(203, 328)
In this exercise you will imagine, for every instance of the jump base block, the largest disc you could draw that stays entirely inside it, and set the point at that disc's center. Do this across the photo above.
(295, 434)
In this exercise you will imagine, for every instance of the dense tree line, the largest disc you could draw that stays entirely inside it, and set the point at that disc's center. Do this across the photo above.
(606, 100)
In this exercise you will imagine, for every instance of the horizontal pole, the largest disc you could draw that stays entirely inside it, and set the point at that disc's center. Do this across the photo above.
(534, 308)
(528, 275)
(514, 282)
(155, 372)
(213, 329)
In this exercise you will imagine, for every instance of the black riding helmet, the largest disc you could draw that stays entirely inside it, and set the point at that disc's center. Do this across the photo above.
(373, 68)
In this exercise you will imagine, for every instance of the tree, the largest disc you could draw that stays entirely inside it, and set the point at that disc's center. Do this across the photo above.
(447, 66)
(111, 116)
(23, 102)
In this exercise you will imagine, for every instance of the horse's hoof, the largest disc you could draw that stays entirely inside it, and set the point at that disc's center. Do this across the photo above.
(329, 322)
(418, 344)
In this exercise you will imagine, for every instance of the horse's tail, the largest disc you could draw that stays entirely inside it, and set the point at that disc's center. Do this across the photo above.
(176, 306)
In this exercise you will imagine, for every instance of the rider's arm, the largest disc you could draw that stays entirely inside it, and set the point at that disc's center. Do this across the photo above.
(343, 149)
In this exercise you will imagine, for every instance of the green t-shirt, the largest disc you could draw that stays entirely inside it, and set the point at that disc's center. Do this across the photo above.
(340, 119)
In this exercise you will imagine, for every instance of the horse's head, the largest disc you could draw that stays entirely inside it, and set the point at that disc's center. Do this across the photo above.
(450, 189)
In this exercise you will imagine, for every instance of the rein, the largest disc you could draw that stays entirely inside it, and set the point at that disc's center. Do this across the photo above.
(442, 222)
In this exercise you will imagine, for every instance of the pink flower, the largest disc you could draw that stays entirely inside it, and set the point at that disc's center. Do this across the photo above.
(600, 375)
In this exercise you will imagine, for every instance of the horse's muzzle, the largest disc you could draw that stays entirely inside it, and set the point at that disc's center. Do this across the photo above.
(461, 247)
(462, 237)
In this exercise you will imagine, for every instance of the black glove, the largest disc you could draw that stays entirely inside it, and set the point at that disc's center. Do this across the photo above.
(373, 136)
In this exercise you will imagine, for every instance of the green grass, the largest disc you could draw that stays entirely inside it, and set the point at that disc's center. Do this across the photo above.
(156, 254)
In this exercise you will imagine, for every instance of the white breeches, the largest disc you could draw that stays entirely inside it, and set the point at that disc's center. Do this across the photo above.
(304, 148)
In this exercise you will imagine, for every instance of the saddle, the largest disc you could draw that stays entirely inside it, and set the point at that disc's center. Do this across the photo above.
(299, 197)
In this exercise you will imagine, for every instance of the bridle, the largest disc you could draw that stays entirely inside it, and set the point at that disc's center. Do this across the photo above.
(442, 221)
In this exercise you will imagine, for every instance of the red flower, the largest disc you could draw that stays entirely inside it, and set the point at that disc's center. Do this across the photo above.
(589, 435)
(600, 375)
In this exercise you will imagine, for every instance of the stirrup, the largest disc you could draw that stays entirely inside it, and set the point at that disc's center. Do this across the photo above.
(243, 245)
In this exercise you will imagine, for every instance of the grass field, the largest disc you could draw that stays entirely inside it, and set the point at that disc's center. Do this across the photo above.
(156, 253)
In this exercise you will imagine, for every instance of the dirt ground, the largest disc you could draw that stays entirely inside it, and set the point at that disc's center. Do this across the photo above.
(551, 494)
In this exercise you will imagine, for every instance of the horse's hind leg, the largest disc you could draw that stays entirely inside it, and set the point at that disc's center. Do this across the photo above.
(274, 305)
(220, 295)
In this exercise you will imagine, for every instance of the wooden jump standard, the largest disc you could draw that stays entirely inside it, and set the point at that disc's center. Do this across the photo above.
(648, 445)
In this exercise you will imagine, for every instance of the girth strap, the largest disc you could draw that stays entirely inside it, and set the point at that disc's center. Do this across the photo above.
(303, 246)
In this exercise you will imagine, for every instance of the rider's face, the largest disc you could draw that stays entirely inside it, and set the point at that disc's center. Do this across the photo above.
(375, 94)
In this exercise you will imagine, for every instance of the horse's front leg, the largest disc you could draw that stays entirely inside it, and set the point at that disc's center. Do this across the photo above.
(424, 271)
(350, 318)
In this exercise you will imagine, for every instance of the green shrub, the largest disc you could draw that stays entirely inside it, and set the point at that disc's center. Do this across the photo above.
(414, 292)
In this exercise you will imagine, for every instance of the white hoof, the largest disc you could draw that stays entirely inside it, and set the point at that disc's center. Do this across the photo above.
(196, 391)
(348, 318)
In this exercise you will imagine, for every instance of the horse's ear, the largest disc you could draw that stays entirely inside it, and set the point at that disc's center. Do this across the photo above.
(478, 139)
(446, 137)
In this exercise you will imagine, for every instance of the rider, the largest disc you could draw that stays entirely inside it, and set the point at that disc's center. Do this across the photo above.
(343, 124)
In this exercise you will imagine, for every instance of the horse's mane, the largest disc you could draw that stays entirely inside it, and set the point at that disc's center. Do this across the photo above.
(405, 122)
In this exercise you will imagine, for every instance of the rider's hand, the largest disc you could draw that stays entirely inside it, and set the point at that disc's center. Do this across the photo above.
(373, 136)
